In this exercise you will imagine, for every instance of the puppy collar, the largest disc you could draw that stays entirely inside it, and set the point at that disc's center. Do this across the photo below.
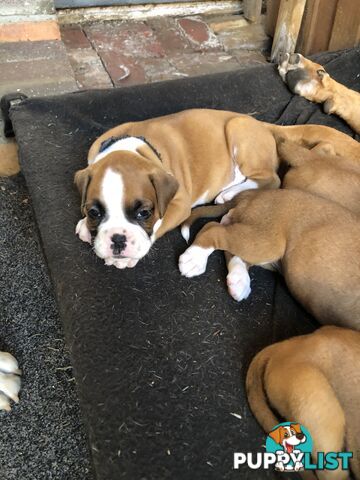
(125, 142)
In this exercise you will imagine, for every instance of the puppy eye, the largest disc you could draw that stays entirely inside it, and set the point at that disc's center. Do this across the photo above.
(94, 213)
(286, 434)
(143, 214)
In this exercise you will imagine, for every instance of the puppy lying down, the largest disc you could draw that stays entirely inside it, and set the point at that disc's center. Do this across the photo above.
(314, 379)
(315, 243)
(310, 80)
(321, 172)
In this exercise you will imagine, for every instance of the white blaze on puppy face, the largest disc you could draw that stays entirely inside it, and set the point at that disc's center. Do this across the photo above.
(136, 241)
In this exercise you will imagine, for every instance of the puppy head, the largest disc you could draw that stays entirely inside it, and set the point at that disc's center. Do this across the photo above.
(288, 436)
(303, 76)
(124, 197)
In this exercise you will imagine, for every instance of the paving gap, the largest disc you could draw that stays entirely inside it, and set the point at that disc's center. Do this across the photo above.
(101, 60)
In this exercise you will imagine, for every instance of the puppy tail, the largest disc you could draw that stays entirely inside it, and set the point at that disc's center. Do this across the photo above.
(256, 391)
(207, 211)
(293, 154)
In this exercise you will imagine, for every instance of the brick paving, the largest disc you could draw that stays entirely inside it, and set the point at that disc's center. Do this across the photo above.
(35, 68)
(122, 53)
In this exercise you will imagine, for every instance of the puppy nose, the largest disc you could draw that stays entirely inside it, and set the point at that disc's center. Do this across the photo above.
(299, 436)
(118, 243)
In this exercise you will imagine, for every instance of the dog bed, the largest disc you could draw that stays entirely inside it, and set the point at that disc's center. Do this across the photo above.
(159, 360)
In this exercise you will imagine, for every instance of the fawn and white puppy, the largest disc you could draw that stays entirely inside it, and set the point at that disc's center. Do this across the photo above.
(143, 178)
(315, 380)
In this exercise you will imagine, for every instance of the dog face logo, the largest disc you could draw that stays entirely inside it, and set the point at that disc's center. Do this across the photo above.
(289, 441)
(288, 437)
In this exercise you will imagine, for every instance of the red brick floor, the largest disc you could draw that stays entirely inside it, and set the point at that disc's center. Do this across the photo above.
(115, 53)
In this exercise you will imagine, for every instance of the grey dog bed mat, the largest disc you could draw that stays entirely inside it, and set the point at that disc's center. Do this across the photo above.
(159, 360)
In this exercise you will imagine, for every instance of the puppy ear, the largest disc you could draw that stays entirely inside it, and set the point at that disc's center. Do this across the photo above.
(324, 76)
(276, 435)
(296, 427)
(82, 179)
(165, 187)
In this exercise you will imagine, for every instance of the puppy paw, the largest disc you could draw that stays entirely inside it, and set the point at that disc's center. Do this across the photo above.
(226, 196)
(185, 232)
(194, 260)
(220, 199)
(283, 65)
(238, 280)
(9, 380)
(83, 231)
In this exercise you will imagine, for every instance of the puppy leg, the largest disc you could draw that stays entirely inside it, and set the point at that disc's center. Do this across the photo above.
(253, 180)
(324, 148)
(302, 393)
(258, 165)
(237, 279)
(251, 244)
(229, 193)
(176, 213)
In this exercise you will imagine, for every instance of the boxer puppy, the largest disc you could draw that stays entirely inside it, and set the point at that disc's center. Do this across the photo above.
(310, 80)
(320, 172)
(143, 178)
(315, 380)
(316, 242)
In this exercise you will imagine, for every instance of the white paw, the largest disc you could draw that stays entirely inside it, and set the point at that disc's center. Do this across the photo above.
(220, 198)
(194, 260)
(121, 263)
(238, 280)
(283, 66)
(9, 380)
(185, 233)
(83, 231)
